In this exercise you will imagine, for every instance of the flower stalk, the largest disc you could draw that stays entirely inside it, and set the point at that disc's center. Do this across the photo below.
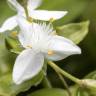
(64, 73)
(64, 83)
(88, 84)
(24, 4)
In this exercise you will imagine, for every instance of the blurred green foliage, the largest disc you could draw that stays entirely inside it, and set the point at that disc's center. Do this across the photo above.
(75, 31)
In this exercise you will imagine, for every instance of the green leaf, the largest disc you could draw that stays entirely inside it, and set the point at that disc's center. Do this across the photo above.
(8, 88)
(49, 92)
(75, 31)
(11, 43)
(6, 61)
(6, 58)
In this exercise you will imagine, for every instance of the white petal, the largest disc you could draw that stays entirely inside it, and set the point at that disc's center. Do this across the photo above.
(27, 65)
(15, 4)
(26, 28)
(23, 23)
(9, 24)
(47, 15)
(62, 48)
(33, 4)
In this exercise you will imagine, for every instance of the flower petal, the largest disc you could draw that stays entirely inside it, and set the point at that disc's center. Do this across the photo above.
(15, 4)
(27, 65)
(33, 4)
(26, 28)
(47, 15)
(9, 24)
(61, 48)
(23, 23)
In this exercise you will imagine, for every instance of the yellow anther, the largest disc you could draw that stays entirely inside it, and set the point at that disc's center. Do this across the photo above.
(14, 33)
(29, 46)
(30, 19)
(50, 52)
(51, 19)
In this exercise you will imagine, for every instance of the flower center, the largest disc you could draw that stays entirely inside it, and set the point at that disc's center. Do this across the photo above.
(30, 19)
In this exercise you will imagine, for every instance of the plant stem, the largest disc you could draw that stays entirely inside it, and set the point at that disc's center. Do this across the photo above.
(26, 12)
(46, 83)
(64, 73)
(24, 4)
(64, 83)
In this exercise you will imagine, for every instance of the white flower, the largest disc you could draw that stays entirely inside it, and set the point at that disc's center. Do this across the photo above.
(11, 22)
(39, 42)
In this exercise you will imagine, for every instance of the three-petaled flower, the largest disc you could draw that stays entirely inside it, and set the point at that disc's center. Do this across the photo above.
(45, 15)
(39, 42)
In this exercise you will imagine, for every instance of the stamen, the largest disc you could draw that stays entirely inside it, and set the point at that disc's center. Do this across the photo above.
(29, 46)
(50, 52)
(14, 33)
(30, 19)
(51, 19)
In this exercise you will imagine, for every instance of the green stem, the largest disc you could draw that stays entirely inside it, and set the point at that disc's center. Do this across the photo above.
(26, 12)
(24, 4)
(46, 83)
(64, 83)
(64, 73)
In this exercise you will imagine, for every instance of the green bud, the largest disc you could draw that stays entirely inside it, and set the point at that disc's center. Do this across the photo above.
(90, 85)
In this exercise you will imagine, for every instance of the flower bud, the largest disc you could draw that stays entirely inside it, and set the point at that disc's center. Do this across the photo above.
(90, 85)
